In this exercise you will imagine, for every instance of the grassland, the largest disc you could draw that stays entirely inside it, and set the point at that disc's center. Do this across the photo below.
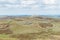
(29, 28)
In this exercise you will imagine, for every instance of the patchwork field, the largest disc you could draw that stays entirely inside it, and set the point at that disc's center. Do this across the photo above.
(29, 28)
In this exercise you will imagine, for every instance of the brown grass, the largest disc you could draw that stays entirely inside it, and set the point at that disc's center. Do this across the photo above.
(7, 31)
(45, 25)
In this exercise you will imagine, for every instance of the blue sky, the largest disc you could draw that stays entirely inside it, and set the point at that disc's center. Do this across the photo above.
(29, 7)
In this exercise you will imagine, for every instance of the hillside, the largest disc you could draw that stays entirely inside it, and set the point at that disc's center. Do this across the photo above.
(29, 28)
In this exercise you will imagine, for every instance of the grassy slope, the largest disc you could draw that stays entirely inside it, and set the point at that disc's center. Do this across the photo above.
(20, 27)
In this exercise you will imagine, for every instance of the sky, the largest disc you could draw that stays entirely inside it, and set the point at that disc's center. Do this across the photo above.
(29, 7)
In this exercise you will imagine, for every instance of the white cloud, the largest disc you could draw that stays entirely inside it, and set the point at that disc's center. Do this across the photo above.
(12, 6)
(35, 7)
(50, 7)
(25, 3)
(49, 1)
(28, 2)
(11, 1)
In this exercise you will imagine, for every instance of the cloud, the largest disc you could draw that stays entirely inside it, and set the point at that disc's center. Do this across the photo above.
(25, 3)
(28, 4)
(12, 1)
(49, 1)
(32, 4)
